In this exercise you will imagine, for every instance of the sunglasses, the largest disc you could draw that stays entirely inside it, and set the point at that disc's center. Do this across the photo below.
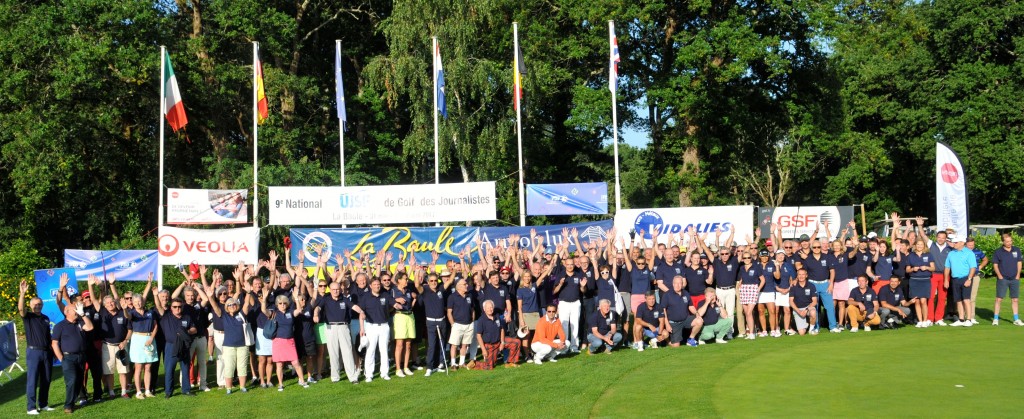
(232, 304)
(552, 311)
(282, 304)
(175, 306)
(322, 286)
(787, 247)
(815, 247)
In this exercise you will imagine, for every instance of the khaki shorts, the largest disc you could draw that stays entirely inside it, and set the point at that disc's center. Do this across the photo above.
(531, 320)
(462, 334)
(110, 361)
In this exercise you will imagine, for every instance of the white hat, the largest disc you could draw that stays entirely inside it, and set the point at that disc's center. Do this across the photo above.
(872, 235)
(956, 238)
(522, 332)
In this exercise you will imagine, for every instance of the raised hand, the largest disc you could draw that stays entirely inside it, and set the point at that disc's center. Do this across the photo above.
(920, 221)
(111, 278)
(302, 257)
(63, 280)
(272, 254)
(23, 286)
(202, 271)
(434, 256)
(92, 279)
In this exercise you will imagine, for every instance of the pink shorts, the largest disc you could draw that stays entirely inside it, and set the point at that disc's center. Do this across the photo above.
(284, 350)
(635, 301)
(841, 290)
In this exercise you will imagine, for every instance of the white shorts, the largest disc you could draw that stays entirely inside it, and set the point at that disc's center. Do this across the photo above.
(462, 334)
(801, 322)
(782, 300)
(766, 297)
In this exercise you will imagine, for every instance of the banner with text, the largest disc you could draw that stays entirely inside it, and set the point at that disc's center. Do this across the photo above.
(421, 241)
(48, 289)
(567, 198)
(672, 221)
(797, 221)
(950, 191)
(207, 206)
(124, 265)
(395, 204)
(8, 345)
(182, 246)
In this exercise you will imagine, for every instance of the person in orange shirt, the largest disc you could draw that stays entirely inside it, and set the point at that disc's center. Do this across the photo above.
(549, 338)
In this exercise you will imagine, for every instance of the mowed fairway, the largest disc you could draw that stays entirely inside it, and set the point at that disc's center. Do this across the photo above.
(905, 373)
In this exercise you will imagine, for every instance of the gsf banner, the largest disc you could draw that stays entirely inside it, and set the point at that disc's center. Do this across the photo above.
(797, 221)
(396, 204)
(181, 246)
(8, 346)
(206, 206)
(567, 198)
(672, 221)
(48, 289)
(124, 265)
(950, 190)
(421, 241)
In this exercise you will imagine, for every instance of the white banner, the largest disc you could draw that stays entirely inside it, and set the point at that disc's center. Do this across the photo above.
(950, 190)
(207, 206)
(181, 246)
(396, 204)
(797, 221)
(672, 221)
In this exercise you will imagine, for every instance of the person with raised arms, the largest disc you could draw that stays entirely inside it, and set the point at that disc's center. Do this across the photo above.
(142, 333)
(433, 297)
(69, 342)
(920, 265)
(39, 357)
(233, 347)
(461, 316)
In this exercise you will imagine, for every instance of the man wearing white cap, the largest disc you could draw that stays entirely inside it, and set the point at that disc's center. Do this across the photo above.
(961, 265)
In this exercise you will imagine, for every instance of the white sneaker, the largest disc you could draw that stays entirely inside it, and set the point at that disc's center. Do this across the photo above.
(968, 324)
(974, 321)
(940, 323)
(867, 328)
(48, 409)
(927, 323)
(751, 336)
(408, 372)
(537, 361)
(790, 332)
(995, 322)
(640, 347)
(720, 340)
(33, 412)
(836, 330)
(957, 323)
(853, 330)
(386, 377)
(399, 373)
(369, 380)
(427, 374)
(555, 360)
(654, 343)
(814, 332)
(1018, 323)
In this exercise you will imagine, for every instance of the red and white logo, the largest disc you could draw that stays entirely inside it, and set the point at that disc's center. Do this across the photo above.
(949, 173)
(167, 245)
(174, 194)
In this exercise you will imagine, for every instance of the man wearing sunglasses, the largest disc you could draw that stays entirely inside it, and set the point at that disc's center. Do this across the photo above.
(549, 338)
(177, 328)
(821, 274)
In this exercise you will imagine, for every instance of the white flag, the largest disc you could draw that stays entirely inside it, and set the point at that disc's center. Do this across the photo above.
(950, 191)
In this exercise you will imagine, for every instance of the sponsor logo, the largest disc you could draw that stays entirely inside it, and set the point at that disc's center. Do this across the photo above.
(354, 200)
(649, 221)
(313, 239)
(949, 173)
(168, 246)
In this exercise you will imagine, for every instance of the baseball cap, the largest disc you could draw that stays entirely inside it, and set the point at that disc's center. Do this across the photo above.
(86, 294)
(768, 242)
(763, 252)
(863, 238)
(955, 238)
(804, 237)
(780, 251)
(872, 235)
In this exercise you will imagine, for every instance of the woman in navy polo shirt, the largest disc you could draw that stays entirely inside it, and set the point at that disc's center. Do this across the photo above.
(920, 266)
(752, 282)
(841, 286)
(141, 349)
(283, 344)
(234, 350)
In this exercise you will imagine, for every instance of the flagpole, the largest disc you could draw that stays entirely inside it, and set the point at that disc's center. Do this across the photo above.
(519, 123)
(160, 179)
(255, 138)
(341, 123)
(613, 84)
(433, 55)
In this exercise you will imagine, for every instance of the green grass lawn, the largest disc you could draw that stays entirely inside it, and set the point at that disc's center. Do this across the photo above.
(935, 372)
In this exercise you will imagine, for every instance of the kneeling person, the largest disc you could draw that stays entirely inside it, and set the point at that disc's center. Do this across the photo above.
(803, 301)
(894, 306)
(549, 337)
(680, 314)
(604, 328)
(490, 334)
(717, 322)
(649, 323)
(862, 306)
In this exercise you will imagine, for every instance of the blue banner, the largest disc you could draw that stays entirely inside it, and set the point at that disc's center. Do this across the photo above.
(8, 346)
(421, 241)
(48, 288)
(124, 265)
(567, 199)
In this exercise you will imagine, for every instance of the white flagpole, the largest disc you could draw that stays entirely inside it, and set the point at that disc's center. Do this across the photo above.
(255, 138)
(615, 116)
(160, 181)
(519, 123)
(341, 124)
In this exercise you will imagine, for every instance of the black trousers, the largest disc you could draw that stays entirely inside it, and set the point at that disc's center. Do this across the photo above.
(73, 366)
(435, 345)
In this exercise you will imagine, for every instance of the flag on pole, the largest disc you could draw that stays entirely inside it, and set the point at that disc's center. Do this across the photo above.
(950, 191)
(339, 87)
(261, 96)
(518, 68)
(613, 62)
(174, 109)
(441, 104)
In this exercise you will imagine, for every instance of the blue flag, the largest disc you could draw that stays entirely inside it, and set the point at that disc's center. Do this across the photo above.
(339, 88)
(441, 105)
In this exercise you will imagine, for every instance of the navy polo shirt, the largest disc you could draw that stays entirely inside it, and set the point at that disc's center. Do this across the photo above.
(677, 306)
(375, 307)
(841, 264)
(606, 289)
(285, 324)
(651, 315)
(726, 272)
(114, 326)
(200, 315)
(489, 329)
(397, 293)
(696, 280)
(894, 298)
(625, 279)
(96, 333)
(640, 280)
(499, 295)
(818, 269)
(433, 302)
(712, 314)
(37, 329)
(335, 311)
(751, 275)
(667, 271)
(304, 324)
(768, 271)
(461, 307)
(570, 291)
(859, 264)
(787, 272)
(170, 326)
(922, 260)
(590, 291)
(70, 336)
(884, 267)
(803, 294)
(869, 298)
(234, 336)
(528, 299)
(1007, 261)
(603, 323)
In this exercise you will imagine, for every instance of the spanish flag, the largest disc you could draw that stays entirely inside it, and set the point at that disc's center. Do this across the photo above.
(261, 96)
(518, 68)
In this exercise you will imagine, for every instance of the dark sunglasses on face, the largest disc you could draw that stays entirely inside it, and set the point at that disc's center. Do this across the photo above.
(175, 306)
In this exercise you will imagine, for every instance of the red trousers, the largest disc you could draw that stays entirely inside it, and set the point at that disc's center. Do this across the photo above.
(937, 300)
(493, 349)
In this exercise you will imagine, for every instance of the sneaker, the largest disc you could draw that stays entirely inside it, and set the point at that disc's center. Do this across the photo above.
(228, 391)
(310, 380)
(304, 385)
(762, 334)
(968, 324)
(691, 342)
(552, 360)
(995, 322)
(790, 332)
(33, 412)
(429, 371)
(974, 321)
(836, 330)
(279, 388)
(514, 365)
(386, 377)
(867, 328)
(399, 373)
(720, 340)
(1018, 323)
(751, 337)
(640, 348)
(957, 323)
(369, 380)
(608, 350)
(139, 396)
(82, 402)
(741, 336)
(654, 343)
(537, 361)
(125, 396)
(148, 394)
(48, 409)
(206, 389)
(853, 330)
(814, 332)
(245, 390)
(940, 323)
(407, 372)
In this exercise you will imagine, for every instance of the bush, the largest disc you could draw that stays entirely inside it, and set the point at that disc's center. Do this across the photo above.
(17, 261)
(989, 244)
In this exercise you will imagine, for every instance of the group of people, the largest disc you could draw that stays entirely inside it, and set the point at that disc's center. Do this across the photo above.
(536, 303)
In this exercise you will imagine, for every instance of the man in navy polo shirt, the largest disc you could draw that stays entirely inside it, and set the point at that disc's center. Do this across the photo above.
(433, 297)
(461, 316)
(803, 300)
(697, 277)
(863, 306)
(680, 314)
(650, 323)
(69, 344)
(938, 250)
(176, 326)
(893, 302)
(604, 324)
(490, 334)
(569, 285)
(1006, 262)
(334, 309)
(39, 358)
(821, 274)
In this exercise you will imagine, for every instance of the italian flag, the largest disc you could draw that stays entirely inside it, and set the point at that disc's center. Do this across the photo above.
(174, 109)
